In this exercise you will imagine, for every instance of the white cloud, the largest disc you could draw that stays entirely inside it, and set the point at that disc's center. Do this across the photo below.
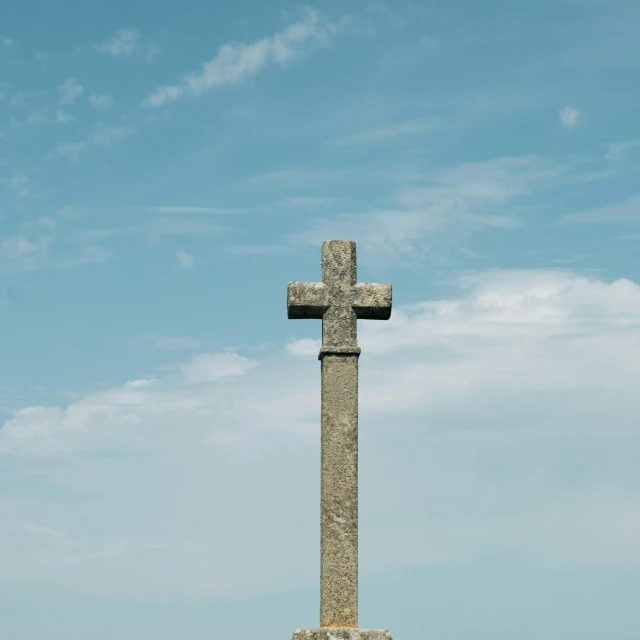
(103, 137)
(101, 100)
(69, 212)
(127, 42)
(191, 210)
(304, 347)
(44, 221)
(6, 42)
(448, 205)
(38, 116)
(569, 116)
(152, 51)
(236, 62)
(17, 246)
(627, 211)
(70, 150)
(63, 118)
(185, 259)
(506, 410)
(387, 132)
(506, 330)
(20, 99)
(69, 91)
(106, 136)
(19, 179)
(299, 177)
(617, 150)
(517, 307)
(207, 367)
(122, 42)
(309, 202)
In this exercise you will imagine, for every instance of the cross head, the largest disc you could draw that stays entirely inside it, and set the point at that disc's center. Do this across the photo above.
(339, 300)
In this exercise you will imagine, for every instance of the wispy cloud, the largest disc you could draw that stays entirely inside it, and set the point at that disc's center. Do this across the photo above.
(430, 213)
(21, 99)
(18, 179)
(70, 150)
(190, 210)
(69, 91)
(128, 42)
(299, 177)
(19, 182)
(47, 252)
(43, 221)
(122, 42)
(104, 136)
(152, 227)
(6, 42)
(185, 259)
(618, 150)
(62, 117)
(569, 117)
(386, 133)
(152, 51)
(101, 100)
(92, 237)
(309, 202)
(38, 116)
(623, 212)
(18, 246)
(236, 62)
(206, 367)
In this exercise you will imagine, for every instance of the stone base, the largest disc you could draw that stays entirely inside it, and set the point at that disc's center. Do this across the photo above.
(341, 633)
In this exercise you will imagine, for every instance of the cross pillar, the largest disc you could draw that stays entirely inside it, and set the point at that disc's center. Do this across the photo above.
(339, 300)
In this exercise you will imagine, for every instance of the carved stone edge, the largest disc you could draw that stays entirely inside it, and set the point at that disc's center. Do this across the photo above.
(339, 351)
(341, 633)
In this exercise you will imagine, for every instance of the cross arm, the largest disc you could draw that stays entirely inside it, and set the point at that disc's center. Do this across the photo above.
(307, 300)
(372, 300)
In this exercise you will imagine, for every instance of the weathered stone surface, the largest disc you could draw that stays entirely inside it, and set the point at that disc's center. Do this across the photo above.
(340, 301)
(341, 633)
(339, 492)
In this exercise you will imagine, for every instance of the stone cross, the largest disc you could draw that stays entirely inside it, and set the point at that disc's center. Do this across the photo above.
(339, 300)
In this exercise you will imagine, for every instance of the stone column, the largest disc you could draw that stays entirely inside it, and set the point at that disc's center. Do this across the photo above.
(339, 300)
(339, 491)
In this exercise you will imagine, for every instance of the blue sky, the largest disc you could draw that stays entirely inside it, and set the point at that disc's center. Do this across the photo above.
(166, 168)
